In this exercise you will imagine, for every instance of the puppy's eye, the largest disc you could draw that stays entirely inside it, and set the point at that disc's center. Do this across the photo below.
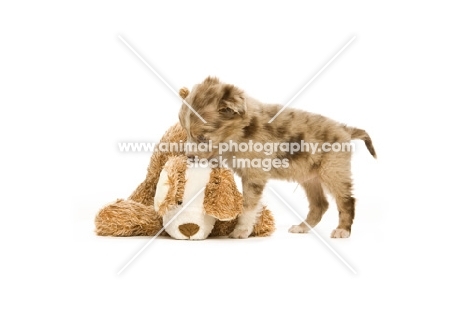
(179, 202)
(202, 139)
(227, 111)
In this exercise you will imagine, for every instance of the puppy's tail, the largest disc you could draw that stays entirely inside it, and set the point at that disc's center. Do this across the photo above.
(361, 134)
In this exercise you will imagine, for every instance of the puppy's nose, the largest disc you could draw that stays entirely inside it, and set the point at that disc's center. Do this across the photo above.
(189, 229)
(191, 158)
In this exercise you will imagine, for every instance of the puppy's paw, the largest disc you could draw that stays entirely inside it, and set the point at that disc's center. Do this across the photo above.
(340, 233)
(240, 233)
(298, 229)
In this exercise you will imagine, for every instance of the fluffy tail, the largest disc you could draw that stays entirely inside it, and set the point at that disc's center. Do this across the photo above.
(357, 133)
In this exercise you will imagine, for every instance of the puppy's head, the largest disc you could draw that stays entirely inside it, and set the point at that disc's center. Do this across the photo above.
(221, 112)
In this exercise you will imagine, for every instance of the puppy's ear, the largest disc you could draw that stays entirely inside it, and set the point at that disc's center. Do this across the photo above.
(211, 80)
(171, 185)
(184, 92)
(232, 101)
(222, 199)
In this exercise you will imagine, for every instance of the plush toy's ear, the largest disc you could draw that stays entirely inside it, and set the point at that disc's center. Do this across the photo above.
(162, 188)
(232, 101)
(222, 199)
(170, 188)
(184, 92)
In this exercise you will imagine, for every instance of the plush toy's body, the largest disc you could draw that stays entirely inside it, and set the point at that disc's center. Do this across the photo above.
(136, 216)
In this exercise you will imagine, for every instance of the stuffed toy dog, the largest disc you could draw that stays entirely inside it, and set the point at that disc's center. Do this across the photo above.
(136, 216)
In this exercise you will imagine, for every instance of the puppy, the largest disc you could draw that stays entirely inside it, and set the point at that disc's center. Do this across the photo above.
(232, 117)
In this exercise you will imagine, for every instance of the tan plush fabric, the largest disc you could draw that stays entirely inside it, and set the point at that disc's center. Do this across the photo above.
(127, 218)
(222, 199)
(144, 193)
(175, 168)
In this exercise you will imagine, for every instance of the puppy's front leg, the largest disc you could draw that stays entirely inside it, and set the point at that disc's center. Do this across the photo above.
(252, 191)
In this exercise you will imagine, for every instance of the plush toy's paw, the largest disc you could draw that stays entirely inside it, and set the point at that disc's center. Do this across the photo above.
(127, 218)
(184, 92)
(299, 229)
(340, 233)
(240, 233)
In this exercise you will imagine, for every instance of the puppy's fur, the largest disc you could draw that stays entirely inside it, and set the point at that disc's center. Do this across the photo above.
(231, 115)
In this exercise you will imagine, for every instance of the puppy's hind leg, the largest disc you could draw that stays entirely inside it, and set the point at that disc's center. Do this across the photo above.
(346, 209)
(341, 189)
(252, 192)
(318, 204)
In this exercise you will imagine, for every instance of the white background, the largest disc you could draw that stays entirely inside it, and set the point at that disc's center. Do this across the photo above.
(70, 90)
